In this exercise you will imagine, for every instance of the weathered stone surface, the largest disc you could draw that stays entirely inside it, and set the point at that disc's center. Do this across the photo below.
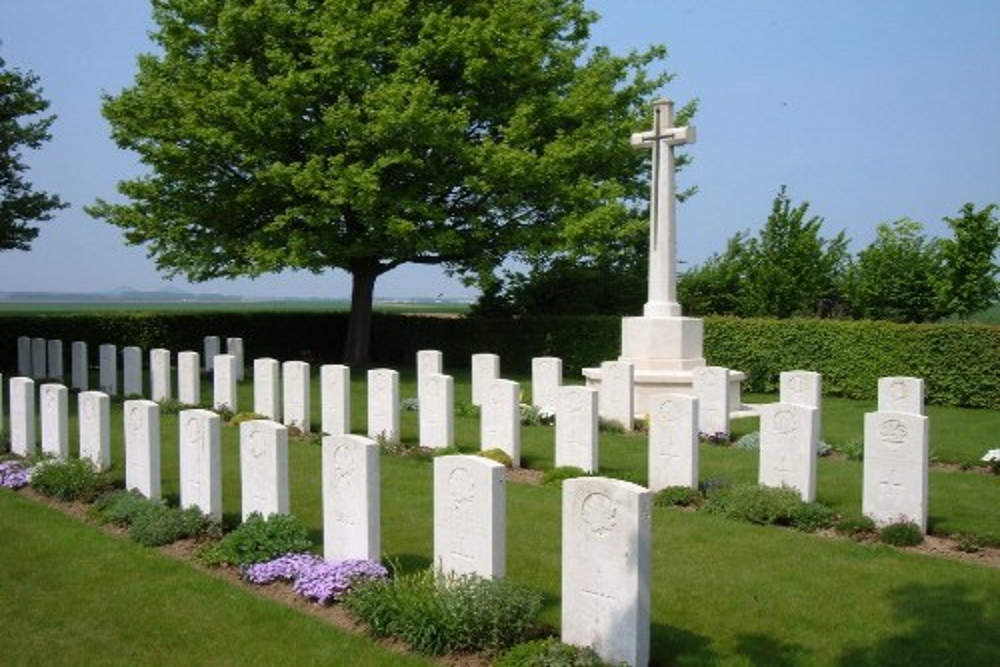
(95, 428)
(500, 419)
(673, 441)
(896, 467)
(201, 461)
(576, 428)
(351, 505)
(264, 467)
(437, 412)
(788, 437)
(470, 524)
(296, 396)
(142, 447)
(54, 409)
(335, 399)
(383, 404)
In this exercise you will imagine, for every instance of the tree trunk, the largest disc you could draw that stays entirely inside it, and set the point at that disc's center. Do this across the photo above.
(359, 324)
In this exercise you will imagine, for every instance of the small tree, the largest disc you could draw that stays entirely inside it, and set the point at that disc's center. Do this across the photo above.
(20, 204)
(970, 261)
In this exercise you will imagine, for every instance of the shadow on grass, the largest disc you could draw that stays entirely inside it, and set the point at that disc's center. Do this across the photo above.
(673, 646)
(935, 625)
(763, 650)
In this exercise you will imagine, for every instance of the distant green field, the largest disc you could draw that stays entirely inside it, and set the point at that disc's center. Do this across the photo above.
(312, 305)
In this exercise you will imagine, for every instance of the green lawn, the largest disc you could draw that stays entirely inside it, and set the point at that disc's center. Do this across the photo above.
(723, 592)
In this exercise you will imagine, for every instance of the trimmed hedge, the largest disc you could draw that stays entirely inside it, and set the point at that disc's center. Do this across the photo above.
(960, 363)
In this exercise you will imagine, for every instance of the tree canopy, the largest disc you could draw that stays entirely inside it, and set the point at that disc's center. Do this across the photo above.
(366, 134)
(21, 127)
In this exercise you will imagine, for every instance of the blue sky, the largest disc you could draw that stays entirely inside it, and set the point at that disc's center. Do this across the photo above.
(870, 110)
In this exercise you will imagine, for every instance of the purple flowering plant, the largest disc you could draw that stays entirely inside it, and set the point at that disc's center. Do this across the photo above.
(14, 475)
(314, 578)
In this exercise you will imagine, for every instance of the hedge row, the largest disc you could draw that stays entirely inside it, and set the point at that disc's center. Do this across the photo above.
(960, 363)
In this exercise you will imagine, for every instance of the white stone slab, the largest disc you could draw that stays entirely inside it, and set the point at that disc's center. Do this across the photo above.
(224, 383)
(546, 379)
(95, 428)
(234, 346)
(22, 416)
(383, 404)
(577, 428)
(189, 378)
(201, 461)
(429, 362)
(160, 380)
(39, 358)
(132, 371)
(788, 438)
(24, 361)
(801, 388)
(615, 402)
(901, 394)
(711, 386)
(485, 369)
(673, 441)
(437, 412)
(263, 467)
(335, 399)
(895, 468)
(351, 505)
(296, 395)
(500, 419)
(107, 381)
(267, 388)
(212, 347)
(142, 447)
(55, 354)
(53, 402)
(606, 555)
(80, 365)
(470, 516)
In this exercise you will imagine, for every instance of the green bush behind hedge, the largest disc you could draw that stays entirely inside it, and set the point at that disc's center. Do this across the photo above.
(960, 363)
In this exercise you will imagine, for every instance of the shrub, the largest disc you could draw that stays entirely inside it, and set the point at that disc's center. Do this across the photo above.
(550, 653)
(120, 507)
(172, 406)
(410, 405)
(901, 533)
(749, 441)
(241, 417)
(717, 438)
(532, 415)
(810, 517)
(610, 426)
(853, 449)
(498, 455)
(314, 578)
(159, 524)
(856, 527)
(70, 479)
(257, 540)
(556, 476)
(14, 475)
(768, 505)
(969, 544)
(677, 496)
(437, 614)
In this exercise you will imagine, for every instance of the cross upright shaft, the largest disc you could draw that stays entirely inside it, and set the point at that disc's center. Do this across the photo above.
(662, 287)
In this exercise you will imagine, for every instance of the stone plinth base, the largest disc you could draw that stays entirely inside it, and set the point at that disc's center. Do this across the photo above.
(649, 383)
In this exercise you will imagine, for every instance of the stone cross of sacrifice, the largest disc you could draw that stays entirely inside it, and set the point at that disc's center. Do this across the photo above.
(662, 294)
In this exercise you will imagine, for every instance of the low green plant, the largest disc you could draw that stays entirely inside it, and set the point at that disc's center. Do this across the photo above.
(677, 496)
(550, 652)
(610, 426)
(556, 476)
(241, 417)
(172, 406)
(901, 533)
(119, 507)
(70, 479)
(435, 613)
(258, 539)
(401, 447)
(749, 441)
(810, 517)
(853, 449)
(532, 415)
(858, 527)
(969, 543)
(466, 409)
(410, 405)
(225, 413)
(767, 505)
(717, 438)
(498, 455)
(160, 524)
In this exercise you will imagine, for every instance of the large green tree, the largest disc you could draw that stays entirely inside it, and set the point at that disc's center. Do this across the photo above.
(366, 134)
(21, 127)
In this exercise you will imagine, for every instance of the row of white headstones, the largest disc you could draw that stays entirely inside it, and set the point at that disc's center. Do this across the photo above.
(606, 523)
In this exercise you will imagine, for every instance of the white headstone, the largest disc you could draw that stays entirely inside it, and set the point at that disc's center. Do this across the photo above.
(295, 391)
(22, 416)
(576, 428)
(267, 388)
(606, 554)
(142, 447)
(500, 419)
(39, 358)
(485, 369)
(108, 370)
(437, 412)
(224, 383)
(803, 388)
(470, 516)
(711, 387)
(54, 408)
(160, 384)
(901, 394)
(383, 404)
(335, 399)
(201, 461)
(264, 467)
(189, 378)
(429, 362)
(132, 371)
(895, 468)
(55, 360)
(546, 379)
(80, 366)
(95, 428)
(213, 347)
(788, 437)
(351, 514)
(673, 441)
(24, 356)
(615, 401)
(234, 346)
